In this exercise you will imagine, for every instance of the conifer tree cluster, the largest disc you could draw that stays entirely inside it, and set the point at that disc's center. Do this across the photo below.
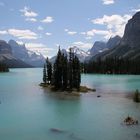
(113, 66)
(65, 72)
(3, 68)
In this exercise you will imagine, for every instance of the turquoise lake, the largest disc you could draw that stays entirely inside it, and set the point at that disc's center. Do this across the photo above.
(28, 112)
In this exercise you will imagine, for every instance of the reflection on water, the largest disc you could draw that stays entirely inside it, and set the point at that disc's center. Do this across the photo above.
(28, 112)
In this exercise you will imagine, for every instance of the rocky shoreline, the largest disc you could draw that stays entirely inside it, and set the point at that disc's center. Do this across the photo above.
(73, 92)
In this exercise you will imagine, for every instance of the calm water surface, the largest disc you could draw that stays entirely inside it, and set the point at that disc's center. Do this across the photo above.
(27, 112)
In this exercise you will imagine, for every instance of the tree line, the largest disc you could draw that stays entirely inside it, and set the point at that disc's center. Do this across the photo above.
(64, 74)
(3, 67)
(112, 66)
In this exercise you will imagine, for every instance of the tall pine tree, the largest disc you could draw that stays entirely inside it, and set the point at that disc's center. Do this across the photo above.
(44, 74)
(49, 71)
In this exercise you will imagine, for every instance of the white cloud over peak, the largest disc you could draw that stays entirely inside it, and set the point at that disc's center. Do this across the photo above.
(28, 13)
(22, 34)
(135, 10)
(93, 32)
(48, 19)
(115, 24)
(108, 2)
(82, 45)
(98, 32)
(35, 45)
(20, 42)
(40, 48)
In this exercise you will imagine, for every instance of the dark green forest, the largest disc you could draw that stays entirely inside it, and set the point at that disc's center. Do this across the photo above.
(112, 66)
(3, 68)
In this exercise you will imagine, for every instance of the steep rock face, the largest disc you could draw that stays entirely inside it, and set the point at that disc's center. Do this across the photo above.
(7, 57)
(132, 32)
(5, 48)
(29, 57)
(98, 47)
(113, 41)
(19, 51)
(129, 46)
(81, 54)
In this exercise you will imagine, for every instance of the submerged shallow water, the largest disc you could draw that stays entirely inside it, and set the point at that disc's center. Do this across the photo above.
(28, 112)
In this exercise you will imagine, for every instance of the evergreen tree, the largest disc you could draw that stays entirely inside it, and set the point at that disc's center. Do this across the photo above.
(113, 65)
(76, 73)
(65, 72)
(49, 71)
(44, 74)
(58, 71)
(70, 69)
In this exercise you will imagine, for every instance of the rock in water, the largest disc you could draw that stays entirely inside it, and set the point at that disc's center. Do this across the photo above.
(56, 130)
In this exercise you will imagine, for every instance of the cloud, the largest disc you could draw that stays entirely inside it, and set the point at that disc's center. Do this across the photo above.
(82, 45)
(83, 33)
(70, 32)
(135, 10)
(88, 38)
(22, 34)
(66, 30)
(115, 24)
(3, 32)
(40, 48)
(40, 28)
(89, 34)
(20, 42)
(28, 13)
(31, 19)
(48, 34)
(98, 32)
(108, 2)
(47, 20)
(35, 45)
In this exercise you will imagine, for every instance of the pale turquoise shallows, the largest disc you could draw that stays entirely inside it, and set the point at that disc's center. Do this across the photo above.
(27, 112)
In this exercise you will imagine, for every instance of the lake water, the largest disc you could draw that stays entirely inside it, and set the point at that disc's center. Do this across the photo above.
(27, 112)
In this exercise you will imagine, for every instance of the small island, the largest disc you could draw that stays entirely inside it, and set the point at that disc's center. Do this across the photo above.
(130, 121)
(64, 75)
(3, 68)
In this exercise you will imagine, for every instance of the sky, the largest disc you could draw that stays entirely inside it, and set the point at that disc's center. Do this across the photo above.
(43, 25)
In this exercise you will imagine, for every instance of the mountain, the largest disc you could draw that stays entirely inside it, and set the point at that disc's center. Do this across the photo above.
(132, 32)
(113, 41)
(101, 47)
(27, 56)
(7, 57)
(129, 46)
(98, 47)
(81, 54)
